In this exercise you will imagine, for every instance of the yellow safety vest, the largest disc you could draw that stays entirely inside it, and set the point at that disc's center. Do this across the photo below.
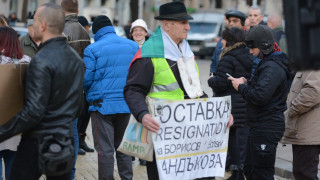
(165, 85)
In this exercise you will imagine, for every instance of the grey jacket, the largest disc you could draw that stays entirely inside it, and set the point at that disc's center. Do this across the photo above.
(28, 46)
(302, 115)
(77, 36)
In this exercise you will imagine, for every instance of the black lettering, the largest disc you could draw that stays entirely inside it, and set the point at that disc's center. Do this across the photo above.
(218, 161)
(181, 171)
(175, 113)
(190, 164)
(177, 132)
(192, 131)
(173, 165)
(199, 112)
(218, 106)
(169, 108)
(164, 167)
(159, 134)
(212, 160)
(210, 107)
(206, 131)
(218, 128)
(167, 131)
(190, 104)
(204, 161)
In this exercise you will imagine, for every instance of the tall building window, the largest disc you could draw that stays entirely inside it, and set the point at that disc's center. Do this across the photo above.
(218, 4)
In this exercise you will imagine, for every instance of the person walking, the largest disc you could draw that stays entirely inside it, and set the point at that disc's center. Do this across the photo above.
(107, 61)
(266, 96)
(235, 61)
(79, 39)
(302, 124)
(53, 86)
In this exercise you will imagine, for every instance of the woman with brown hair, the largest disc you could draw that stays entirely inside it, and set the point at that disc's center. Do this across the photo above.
(10, 52)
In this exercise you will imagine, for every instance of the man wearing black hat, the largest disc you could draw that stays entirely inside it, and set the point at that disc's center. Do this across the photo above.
(107, 62)
(266, 95)
(235, 19)
(166, 49)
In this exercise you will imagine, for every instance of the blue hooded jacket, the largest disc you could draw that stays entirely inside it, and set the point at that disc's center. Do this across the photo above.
(107, 63)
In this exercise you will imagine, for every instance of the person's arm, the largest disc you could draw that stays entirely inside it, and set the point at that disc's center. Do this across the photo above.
(220, 82)
(90, 64)
(139, 82)
(37, 95)
(309, 95)
(269, 80)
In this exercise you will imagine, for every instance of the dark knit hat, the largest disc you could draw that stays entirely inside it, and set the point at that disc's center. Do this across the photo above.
(260, 37)
(83, 21)
(173, 11)
(100, 22)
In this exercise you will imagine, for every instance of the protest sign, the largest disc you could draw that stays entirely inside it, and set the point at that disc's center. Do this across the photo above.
(193, 138)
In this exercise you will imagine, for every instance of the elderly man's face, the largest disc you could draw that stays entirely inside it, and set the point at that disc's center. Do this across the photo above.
(177, 30)
(255, 17)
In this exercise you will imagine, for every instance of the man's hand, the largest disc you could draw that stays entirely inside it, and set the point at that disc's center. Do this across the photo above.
(230, 122)
(149, 123)
(237, 81)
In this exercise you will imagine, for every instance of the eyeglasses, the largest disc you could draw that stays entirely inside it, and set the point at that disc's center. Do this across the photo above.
(138, 30)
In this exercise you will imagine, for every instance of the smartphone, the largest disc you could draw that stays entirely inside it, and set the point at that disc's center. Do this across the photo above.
(228, 75)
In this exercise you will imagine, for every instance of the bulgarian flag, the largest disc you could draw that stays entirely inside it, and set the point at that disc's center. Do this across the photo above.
(153, 47)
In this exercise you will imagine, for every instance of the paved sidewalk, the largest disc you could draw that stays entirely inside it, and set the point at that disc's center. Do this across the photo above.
(283, 164)
(87, 165)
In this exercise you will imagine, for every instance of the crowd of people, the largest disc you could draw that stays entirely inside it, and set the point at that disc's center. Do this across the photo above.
(70, 81)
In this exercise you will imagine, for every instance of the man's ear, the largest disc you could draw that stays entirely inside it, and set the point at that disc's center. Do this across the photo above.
(43, 26)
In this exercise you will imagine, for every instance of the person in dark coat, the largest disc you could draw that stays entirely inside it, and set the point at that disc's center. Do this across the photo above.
(53, 88)
(266, 95)
(236, 61)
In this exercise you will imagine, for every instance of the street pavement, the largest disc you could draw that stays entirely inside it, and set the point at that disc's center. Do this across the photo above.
(87, 165)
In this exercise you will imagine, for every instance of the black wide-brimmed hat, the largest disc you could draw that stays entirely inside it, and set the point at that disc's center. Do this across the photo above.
(173, 11)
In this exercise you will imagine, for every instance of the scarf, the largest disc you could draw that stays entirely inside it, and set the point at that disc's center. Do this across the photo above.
(181, 53)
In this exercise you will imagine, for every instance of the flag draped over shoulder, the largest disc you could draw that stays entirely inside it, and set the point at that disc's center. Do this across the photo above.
(151, 48)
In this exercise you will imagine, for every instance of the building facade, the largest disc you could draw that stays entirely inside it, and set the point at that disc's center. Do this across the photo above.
(123, 11)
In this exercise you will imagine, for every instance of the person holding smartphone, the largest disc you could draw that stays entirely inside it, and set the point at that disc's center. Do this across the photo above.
(234, 61)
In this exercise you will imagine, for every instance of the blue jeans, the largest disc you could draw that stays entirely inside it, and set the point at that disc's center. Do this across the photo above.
(8, 157)
(76, 145)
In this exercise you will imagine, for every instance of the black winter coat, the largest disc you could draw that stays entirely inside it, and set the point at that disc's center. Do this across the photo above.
(236, 61)
(53, 91)
(267, 92)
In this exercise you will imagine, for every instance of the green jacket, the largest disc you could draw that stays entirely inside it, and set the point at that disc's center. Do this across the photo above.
(28, 46)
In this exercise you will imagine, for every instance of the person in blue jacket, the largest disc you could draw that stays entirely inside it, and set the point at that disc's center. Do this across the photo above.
(107, 63)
